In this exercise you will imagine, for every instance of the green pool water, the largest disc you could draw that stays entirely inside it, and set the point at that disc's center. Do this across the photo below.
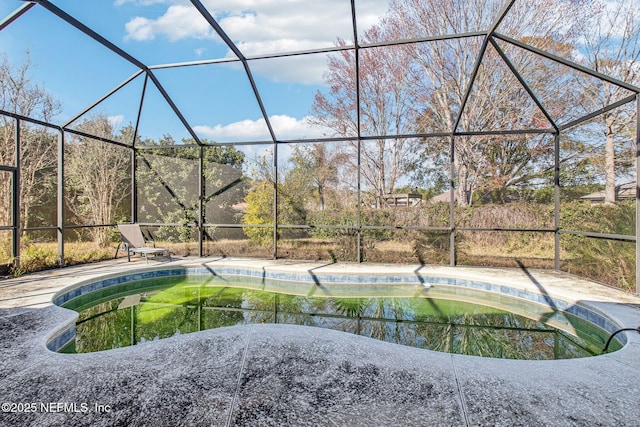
(455, 321)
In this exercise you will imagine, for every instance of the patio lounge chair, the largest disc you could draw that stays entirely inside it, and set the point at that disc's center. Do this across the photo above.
(135, 242)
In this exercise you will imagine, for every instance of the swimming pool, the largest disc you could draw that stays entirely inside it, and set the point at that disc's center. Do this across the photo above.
(474, 317)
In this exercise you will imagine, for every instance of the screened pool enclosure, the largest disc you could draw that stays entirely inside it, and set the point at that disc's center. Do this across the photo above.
(499, 133)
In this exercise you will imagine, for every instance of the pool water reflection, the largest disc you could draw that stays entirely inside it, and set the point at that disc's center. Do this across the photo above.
(454, 321)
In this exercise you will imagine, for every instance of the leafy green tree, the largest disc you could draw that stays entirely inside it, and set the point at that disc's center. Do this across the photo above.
(259, 211)
(168, 177)
(296, 186)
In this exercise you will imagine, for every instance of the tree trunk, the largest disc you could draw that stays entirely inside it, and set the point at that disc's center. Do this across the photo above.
(381, 170)
(462, 195)
(321, 197)
(609, 167)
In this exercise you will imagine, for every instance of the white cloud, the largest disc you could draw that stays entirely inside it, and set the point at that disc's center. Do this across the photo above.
(141, 2)
(285, 127)
(305, 69)
(116, 121)
(178, 22)
(262, 27)
(140, 29)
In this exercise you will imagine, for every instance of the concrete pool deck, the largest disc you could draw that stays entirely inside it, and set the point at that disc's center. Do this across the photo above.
(278, 375)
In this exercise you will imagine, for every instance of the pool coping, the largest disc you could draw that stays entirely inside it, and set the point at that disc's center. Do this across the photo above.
(484, 391)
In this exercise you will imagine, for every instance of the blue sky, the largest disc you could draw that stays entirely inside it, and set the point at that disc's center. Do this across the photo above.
(216, 99)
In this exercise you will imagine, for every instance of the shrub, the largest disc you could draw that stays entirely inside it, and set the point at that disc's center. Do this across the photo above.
(608, 261)
(259, 212)
(35, 257)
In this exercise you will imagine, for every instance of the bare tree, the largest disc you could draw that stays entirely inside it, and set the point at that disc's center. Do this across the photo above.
(612, 47)
(38, 158)
(318, 165)
(386, 109)
(497, 100)
(97, 175)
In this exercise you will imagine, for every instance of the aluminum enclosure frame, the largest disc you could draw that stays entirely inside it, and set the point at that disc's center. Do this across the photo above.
(490, 37)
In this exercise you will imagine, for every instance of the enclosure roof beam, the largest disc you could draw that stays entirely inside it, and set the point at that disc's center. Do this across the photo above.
(568, 63)
(174, 107)
(30, 120)
(140, 105)
(118, 51)
(505, 132)
(421, 40)
(15, 15)
(250, 58)
(319, 50)
(194, 63)
(507, 7)
(467, 92)
(218, 29)
(99, 138)
(620, 103)
(523, 82)
(89, 32)
(365, 138)
(117, 88)
(476, 66)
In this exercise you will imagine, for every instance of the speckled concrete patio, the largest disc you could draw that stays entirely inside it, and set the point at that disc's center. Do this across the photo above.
(278, 375)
